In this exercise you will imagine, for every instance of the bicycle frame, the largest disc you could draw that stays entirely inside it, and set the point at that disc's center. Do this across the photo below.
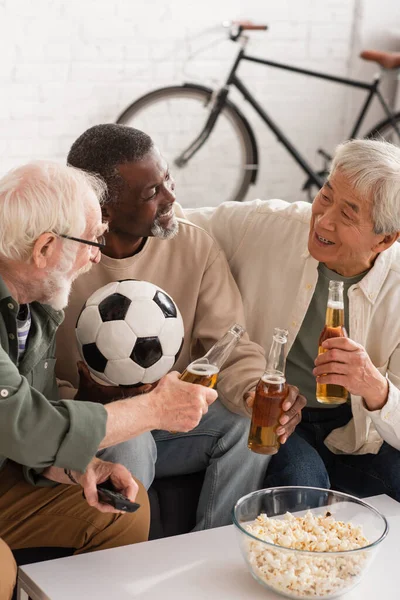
(233, 80)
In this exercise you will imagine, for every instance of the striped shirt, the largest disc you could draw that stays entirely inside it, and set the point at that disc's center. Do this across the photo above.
(23, 327)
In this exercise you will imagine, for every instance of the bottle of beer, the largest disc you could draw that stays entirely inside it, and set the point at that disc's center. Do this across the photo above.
(271, 391)
(204, 370)
(334, 327)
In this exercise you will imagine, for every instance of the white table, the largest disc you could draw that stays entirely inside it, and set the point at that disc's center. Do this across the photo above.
(206, 565)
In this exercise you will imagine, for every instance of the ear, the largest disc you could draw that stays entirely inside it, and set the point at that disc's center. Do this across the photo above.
(386, 242)
(107, 212)
(43, 249)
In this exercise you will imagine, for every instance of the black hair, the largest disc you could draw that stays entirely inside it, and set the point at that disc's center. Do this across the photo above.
(102, 148)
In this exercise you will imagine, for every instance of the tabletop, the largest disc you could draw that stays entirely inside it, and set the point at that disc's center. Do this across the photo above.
(204, 564)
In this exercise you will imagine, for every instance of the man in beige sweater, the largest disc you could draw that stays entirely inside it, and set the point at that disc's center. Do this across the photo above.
(147, 241)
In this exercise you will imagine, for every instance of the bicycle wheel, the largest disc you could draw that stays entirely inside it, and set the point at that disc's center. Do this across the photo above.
(223, 167)
(385, 130)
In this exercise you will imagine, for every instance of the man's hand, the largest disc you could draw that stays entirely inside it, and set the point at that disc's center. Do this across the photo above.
(177, 405)
(98, 471)
(291, 417)
(347, 363)
(91, 391)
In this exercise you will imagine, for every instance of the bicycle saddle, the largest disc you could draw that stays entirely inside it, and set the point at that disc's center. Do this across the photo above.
(387, 60)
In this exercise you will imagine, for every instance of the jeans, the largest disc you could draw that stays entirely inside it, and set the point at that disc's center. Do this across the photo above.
(305, 460)
(217, 445)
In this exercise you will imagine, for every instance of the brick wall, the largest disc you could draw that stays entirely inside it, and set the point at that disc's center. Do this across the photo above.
(68, 64)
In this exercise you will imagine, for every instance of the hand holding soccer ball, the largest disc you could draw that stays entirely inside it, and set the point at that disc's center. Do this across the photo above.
(91, 391)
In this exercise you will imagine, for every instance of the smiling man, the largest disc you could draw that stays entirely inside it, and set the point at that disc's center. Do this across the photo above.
(147, 241)
(282, 257)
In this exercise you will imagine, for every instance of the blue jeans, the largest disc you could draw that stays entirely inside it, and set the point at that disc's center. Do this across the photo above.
(217, 445)
(305, 460)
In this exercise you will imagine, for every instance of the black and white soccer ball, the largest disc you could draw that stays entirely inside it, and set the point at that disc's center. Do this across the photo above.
(129, 332)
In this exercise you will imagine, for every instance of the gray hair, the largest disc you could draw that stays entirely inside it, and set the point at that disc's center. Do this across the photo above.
(373, 168)
(43, 196)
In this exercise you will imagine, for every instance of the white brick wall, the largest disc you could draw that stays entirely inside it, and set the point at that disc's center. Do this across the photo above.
(68, 64)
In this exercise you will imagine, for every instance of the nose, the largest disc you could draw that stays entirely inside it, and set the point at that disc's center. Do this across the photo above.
(326, 219)
(170, 190)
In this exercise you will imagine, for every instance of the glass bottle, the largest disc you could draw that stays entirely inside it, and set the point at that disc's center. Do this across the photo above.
(271, 391)
(330, 393)
(204, 370)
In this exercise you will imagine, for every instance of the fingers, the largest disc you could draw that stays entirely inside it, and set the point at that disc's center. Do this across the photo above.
(211, 395)
(335, 379)
(290, 399)
(342, 343)
(127, 486)
(284, 431)
(334, 355)
(83, 371)
(82, 367)
(249, 399)
(294, 412)
(331, 368)
(291, 417)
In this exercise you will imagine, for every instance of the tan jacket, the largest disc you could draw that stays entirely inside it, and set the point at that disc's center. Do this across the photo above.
(266, 246)
(194, 271)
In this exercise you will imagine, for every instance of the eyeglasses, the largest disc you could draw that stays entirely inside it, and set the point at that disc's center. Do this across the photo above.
(101, 240)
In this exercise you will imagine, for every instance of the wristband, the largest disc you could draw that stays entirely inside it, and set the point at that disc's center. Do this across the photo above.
(70, 476)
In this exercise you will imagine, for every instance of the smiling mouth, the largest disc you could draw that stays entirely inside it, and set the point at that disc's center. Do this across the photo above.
(166, 215)
(324, 241)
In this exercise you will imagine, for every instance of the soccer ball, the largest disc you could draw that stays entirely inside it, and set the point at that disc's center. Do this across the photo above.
(129, 333)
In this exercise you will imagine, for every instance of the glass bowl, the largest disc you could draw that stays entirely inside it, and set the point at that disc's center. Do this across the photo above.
(297, 573)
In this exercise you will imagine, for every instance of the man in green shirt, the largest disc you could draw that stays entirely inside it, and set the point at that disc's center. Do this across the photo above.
(50, 232)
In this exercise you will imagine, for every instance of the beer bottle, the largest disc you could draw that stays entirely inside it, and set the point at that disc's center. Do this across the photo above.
(334, 327)
(271, 391)
(204, 370)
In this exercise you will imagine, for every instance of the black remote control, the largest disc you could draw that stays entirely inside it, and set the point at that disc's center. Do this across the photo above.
(116, 499)
(109, 495)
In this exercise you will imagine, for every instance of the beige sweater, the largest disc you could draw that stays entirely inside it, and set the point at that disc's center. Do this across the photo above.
(266, 246)
(194, 271)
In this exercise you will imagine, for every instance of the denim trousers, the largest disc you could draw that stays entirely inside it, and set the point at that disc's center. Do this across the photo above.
(305, 460)
(217, 445)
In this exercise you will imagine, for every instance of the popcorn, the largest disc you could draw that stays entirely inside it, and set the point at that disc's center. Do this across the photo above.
(304, 575)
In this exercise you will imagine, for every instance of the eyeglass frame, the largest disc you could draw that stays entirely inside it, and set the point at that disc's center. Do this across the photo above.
(96, 244)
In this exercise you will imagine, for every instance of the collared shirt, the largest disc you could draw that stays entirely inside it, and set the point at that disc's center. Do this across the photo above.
(37, 429)
(266, 246)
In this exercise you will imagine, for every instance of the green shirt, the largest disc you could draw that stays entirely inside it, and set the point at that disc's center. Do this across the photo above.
(300, 360)
(37, 429)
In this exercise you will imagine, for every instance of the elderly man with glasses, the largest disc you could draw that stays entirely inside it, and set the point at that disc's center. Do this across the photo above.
(46, 440)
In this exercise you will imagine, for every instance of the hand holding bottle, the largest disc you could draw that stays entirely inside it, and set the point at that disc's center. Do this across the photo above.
(271, 392)
(291, 412)
(346, 363)
(331, 393)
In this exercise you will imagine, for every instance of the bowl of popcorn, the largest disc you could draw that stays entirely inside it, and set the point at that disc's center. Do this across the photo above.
(307, 542)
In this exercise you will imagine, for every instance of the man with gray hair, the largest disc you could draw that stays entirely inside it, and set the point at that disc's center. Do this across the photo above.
(282, 257)
(51, 231)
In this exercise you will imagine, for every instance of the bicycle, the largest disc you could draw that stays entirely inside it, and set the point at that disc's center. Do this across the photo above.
(182, 118)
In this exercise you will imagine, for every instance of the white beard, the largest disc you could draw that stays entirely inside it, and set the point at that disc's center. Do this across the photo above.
(165, 233)
(56, 289)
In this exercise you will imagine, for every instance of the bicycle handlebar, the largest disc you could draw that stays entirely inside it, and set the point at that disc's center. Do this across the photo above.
(237, 27)
(249, 25)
